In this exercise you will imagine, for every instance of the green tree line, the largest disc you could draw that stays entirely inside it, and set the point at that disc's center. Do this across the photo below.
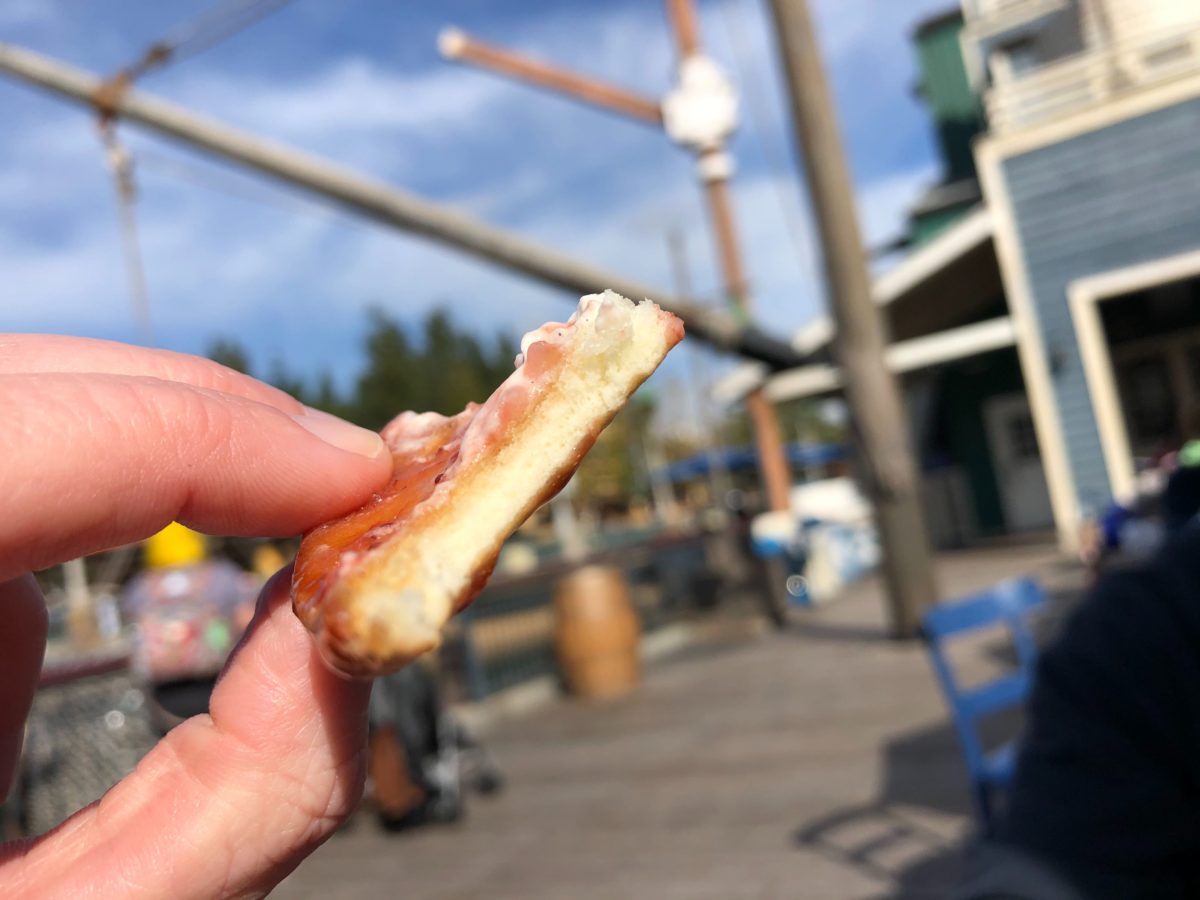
(438, 366)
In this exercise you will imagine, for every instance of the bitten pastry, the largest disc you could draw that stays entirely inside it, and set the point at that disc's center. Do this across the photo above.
(376, 587)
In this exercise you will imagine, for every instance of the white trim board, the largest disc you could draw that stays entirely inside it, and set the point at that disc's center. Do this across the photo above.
(1086, 295)
(745, 378)
(970, 232)
(1094, 118)
(903, 356)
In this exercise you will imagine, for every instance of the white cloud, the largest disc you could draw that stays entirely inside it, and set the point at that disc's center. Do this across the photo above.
(349, 97)
(783, 264)
(599, 191)
(210, 263)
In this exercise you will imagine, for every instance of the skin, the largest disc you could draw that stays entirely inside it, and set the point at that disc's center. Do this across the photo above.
(103, 445)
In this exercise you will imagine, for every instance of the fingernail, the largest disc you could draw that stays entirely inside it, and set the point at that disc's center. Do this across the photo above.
(340, 433)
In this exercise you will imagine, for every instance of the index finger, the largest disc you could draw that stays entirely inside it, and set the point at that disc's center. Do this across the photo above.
(24, 354)
(95, 461)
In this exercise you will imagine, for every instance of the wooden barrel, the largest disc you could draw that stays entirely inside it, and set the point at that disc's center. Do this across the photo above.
(596, 633)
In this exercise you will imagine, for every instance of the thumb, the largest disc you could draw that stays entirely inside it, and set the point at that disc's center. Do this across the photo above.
(22, 644)
(227, 804)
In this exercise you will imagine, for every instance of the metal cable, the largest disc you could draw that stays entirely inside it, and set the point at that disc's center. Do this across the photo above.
(120, 163)
(217, 24)
(211, 27)
(775, 155)
(215, 179)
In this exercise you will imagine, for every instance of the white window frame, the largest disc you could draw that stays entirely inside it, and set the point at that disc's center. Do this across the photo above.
(1085, 296)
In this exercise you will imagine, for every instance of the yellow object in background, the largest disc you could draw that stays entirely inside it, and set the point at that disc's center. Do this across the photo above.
(174, 546)
(267, 561)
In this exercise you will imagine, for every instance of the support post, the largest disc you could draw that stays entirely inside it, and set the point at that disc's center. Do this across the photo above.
(385, 204)
(884, 444)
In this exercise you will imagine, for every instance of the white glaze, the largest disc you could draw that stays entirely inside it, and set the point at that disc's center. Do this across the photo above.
(600, 319)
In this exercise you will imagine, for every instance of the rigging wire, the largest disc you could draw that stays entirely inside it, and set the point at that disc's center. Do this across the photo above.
(230, 185)
(120, 164)
(776, 155)
(209, 28)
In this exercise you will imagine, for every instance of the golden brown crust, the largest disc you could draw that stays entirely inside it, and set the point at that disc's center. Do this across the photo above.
(342, 562)
(336, 619)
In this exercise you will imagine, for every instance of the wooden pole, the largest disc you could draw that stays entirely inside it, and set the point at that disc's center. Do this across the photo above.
(456, 45)
(81, 610)
(720, 209)
(714, 166)
(385, 204)
(884, 443)
(682, 14)
(773, 465)
(768, 439)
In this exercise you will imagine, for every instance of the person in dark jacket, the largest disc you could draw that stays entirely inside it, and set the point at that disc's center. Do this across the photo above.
(1106, 799)
(1181, 497)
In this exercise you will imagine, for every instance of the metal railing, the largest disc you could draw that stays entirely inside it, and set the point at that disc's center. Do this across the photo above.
(506, 636)
(92, 719)
(1097, 75)
(89, 726)
(992, 16)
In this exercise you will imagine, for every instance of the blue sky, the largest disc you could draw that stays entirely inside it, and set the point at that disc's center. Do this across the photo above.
(361, 83)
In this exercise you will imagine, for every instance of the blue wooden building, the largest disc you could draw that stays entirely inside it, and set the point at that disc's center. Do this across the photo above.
(1045, 321)
(1091, 172)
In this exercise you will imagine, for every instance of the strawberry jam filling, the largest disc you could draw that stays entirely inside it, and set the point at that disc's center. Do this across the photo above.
(426, 450)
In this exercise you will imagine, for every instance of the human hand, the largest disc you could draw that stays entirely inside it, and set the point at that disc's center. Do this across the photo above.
(103, 445)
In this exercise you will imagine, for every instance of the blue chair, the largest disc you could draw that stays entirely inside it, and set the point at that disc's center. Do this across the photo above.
(1009, 603)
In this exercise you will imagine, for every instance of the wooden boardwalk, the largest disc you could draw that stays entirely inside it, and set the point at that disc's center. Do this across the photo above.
(813, 763)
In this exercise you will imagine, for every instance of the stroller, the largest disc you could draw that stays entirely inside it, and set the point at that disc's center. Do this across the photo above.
(421, 759)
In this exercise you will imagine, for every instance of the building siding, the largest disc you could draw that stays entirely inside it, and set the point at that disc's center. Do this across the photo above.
(1117, 197)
